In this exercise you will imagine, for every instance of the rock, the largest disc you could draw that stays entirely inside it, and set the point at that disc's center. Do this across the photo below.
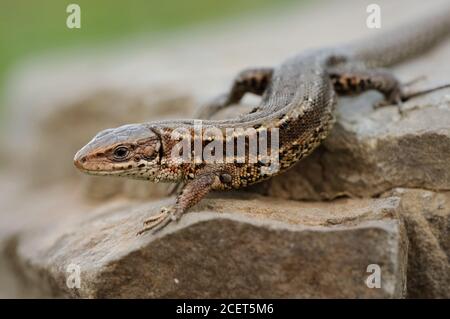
(427, 218)
(240, 248)
(42, 207)
(411, 152)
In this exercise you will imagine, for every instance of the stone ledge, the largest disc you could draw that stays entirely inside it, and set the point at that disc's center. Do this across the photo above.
(248, 249)
(427, 219)
(410, 151)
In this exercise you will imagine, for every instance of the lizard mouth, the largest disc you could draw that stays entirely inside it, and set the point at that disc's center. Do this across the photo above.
(93, 168)
(108, 172)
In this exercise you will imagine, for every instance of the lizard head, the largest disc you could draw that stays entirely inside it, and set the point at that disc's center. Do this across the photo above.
(131, 150)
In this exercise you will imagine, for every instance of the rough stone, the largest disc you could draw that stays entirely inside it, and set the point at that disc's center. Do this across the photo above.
(427, 218)
(42, 207)
(379, 151)
(241, 248)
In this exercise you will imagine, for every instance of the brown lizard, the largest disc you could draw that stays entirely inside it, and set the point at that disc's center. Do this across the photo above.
(296, 111)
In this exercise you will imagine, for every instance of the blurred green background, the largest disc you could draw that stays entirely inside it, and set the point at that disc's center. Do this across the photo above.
(29, 27)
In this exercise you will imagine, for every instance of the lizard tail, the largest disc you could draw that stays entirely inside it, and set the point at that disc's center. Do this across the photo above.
(404, 42)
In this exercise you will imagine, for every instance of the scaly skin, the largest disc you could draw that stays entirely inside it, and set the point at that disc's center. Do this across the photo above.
(298, 101)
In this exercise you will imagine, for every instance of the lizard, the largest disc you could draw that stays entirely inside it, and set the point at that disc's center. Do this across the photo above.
(298, 99)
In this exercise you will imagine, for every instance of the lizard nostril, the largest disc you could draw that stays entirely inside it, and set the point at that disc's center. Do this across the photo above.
(77, 164)
(79, 161)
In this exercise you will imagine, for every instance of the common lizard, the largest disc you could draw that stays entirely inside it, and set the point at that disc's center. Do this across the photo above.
(298, 99)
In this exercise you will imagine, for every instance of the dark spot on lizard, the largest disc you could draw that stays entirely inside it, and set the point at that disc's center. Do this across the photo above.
(284, 125)
(338, 86)
(225, 178)
(350, 82)
(264, 81)
(362, 85)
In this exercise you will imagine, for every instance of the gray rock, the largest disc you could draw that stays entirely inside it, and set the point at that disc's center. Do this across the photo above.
(427, 219)
(257, 247)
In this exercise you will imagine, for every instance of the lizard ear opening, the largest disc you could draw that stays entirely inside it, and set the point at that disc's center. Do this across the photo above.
(149, 149)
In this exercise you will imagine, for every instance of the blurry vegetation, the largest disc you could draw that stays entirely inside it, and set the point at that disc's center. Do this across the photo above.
(30, 27)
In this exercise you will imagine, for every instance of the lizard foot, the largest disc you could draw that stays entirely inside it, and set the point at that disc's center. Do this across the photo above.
(399, 96)
(395, 98)
(384, 103)
(159, 221)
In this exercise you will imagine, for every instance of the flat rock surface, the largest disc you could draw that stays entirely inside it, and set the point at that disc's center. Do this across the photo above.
(235, 247)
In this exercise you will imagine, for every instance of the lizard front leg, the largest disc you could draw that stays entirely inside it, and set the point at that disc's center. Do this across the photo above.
(254, 80)
(192, 193)
(248, 81)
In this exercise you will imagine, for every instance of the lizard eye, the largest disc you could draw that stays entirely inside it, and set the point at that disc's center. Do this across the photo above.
(121, 152)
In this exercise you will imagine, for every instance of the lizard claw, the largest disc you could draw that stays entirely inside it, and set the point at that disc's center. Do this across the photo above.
(158, 221)
(395, 98)
(398, 104)
(156, 217)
